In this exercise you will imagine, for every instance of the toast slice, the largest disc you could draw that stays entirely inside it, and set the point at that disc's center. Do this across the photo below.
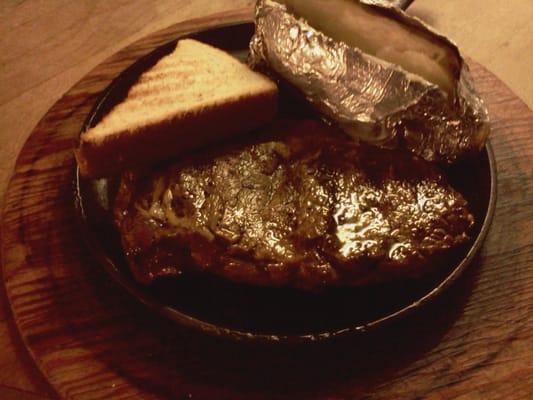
(195, 96)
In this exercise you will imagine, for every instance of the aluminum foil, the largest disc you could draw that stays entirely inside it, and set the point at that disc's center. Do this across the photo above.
(370, 99)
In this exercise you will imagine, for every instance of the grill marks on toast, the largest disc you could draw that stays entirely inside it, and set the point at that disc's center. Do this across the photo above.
(192, 97)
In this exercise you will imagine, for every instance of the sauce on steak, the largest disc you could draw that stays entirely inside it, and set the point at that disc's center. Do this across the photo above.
(301, 206)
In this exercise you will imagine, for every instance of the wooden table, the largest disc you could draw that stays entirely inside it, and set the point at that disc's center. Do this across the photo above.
(48, 46)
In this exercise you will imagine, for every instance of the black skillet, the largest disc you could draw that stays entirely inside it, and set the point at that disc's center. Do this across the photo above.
(241, 312)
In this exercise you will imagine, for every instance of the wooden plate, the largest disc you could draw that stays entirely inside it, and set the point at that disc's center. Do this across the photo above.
(243, 312)
(90, 339)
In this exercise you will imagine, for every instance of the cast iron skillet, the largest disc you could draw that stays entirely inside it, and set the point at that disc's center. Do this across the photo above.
(240, 312)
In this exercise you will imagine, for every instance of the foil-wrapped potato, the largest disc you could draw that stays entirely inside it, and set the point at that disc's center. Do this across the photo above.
(381, 75)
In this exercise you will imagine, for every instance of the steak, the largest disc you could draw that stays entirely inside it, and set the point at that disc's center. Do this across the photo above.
(302, 205)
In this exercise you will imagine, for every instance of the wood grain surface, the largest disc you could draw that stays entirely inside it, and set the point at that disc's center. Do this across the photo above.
(474, 343)
(91, 341)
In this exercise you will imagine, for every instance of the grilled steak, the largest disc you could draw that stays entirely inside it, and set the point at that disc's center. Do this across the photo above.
(304, 206)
